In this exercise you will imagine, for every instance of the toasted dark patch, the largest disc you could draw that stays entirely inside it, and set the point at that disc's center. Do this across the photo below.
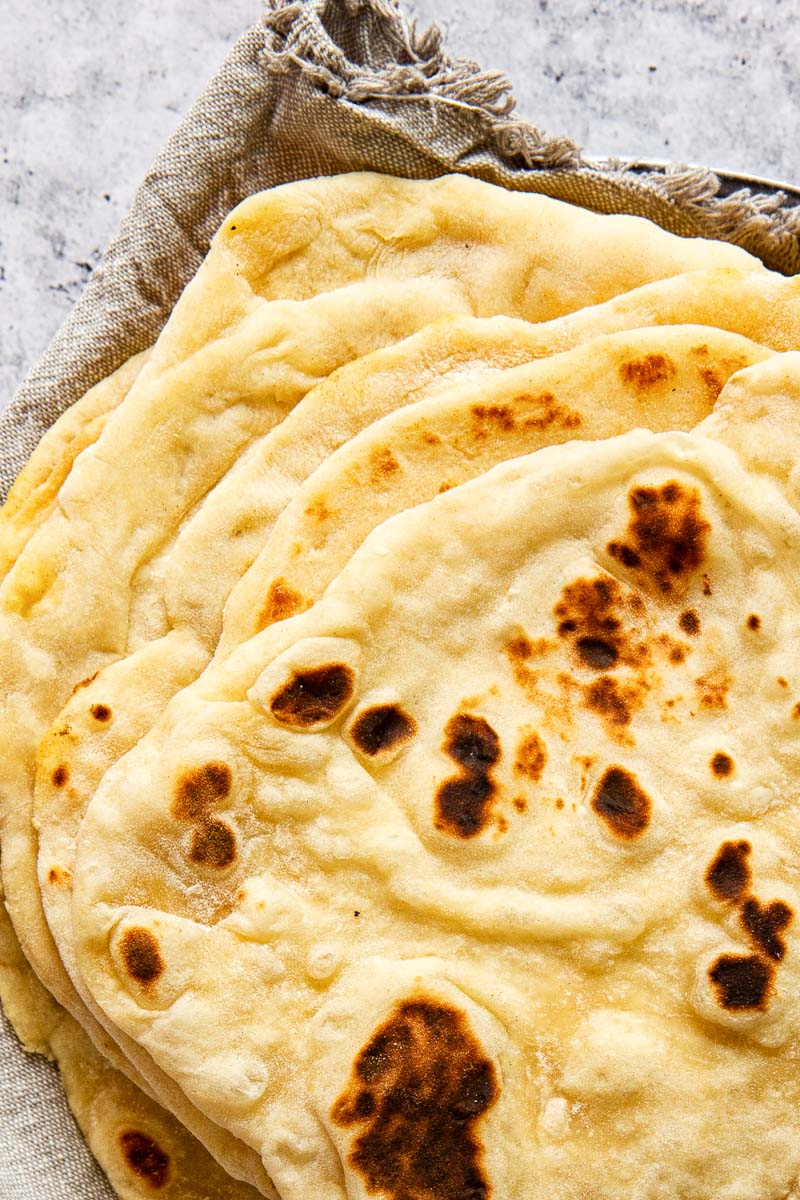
(519, 648)
(145, 1158)
(141, 955)
(722, 765)
(472, 743)
(199, 789)
(621, 802)
(754, 622)
(644, 373)
(550, 413)
(101, 712)
(59, 876)
(712, 382)
(492, 416)
(589, 614)
(213, 844)
(689, 622)
(742, 982)
(381, 728)
(625, 554)
(675, 651)
(318, 511)
(313, 695)
(712, 690)
(666, 536)
(84, 683)
(610, 701)
(765, 923)
(596, 653)
(282, 602)
(418, 1090)
(531, 757)
(463, 803)
(796, 711)
(383, 463)
(729, 875)
(60, 776)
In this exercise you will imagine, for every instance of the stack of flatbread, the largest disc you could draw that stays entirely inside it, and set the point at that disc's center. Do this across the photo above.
(400, 734)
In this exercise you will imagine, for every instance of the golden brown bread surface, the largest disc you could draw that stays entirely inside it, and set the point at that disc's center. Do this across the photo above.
(488, 856)
(154, 526)
(661, 378)
(141, 1147)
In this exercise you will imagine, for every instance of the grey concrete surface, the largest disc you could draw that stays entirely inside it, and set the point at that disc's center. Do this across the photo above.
(89, 91)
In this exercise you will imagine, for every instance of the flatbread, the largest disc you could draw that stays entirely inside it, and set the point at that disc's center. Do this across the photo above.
(135, 689)
(483, 869)
(30, 501)
(33, 495)
(140, 1146)
(661, 379)
(655, 379)
(230, 362)
(761, 308)
(510, 252)
(83, 587)
(234, 358)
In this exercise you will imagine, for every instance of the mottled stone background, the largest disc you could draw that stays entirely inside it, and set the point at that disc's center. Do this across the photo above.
(89, 91)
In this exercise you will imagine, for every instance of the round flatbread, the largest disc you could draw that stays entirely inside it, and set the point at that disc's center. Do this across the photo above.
(482, 869)
(363, 259)
(658, 378)
(233, 360)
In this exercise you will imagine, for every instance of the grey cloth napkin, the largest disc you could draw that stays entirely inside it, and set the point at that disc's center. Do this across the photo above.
(42, 1154)
(317, 87)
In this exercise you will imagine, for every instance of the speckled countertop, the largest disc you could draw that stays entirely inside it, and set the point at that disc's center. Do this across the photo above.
(89, 91)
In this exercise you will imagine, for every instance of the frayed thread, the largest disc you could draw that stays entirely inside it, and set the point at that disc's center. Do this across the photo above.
(421, 70)
(740, 216)
(408, 64)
